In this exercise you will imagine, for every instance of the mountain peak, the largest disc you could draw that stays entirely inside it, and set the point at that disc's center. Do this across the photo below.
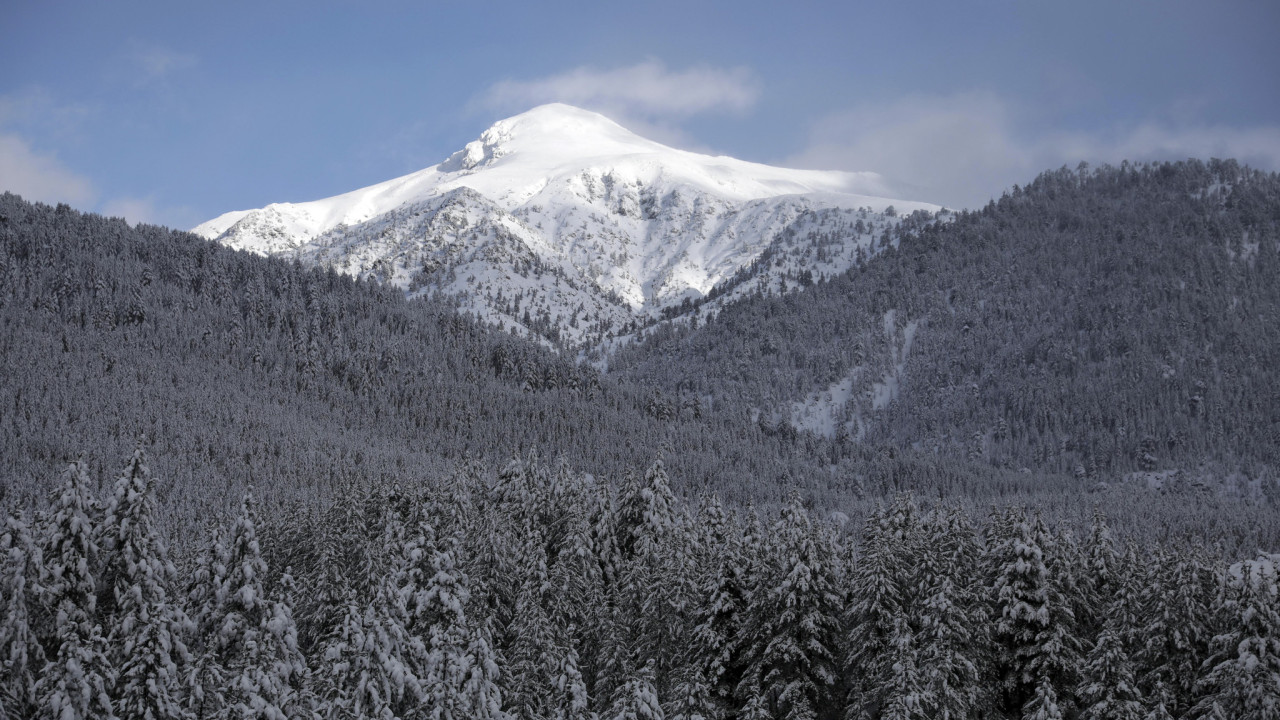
(552, 129)
(565, 214)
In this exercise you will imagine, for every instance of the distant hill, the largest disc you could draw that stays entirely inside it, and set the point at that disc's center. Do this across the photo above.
(1102, 338)
(1096, 323)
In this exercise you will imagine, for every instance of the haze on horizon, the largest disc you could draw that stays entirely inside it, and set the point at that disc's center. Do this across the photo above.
(177, 114)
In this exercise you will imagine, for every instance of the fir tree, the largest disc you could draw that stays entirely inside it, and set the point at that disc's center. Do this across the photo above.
(878, 604)
(370, 658)
(1043, 704)
(1243, 673)
(952, 638)
(459, 673)
(1108, 690)
(76, 683)
(1173, 639)
(1033, 622)
(794, 621)
(691, 698)
(901, 690)
(147, 629)
(254, 640)
(21, 655)
(636, 699)
(715, 649)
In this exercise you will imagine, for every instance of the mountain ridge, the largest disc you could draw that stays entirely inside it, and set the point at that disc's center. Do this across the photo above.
(635, 226)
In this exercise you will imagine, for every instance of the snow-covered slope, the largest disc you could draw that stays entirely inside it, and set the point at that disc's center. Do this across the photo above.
(562, 222)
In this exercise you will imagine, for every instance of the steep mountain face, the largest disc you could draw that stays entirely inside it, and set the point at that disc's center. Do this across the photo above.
(562, 223)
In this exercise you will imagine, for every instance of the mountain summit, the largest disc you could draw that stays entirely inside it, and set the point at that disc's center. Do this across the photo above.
(562, 222)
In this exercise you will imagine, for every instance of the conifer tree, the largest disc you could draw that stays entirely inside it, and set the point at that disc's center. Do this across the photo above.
(204, 679)
(794, 621)
(147, 628)
(254, 640)
(715, 650)
(952, 639)
(637, 698)
(1037, 651)
(1100, 576)
(653, 575)
(878, 585)
(75, 683)
(691, 698)
(459, 673)
(1043, 704)
(647, 512)
(1242, 678)
(22, 656)
(1173, 639)
(538, 663)
(901, 689)
(1108, 690)
(370, 658)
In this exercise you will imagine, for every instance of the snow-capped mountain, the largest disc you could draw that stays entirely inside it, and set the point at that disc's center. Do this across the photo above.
(561, 222)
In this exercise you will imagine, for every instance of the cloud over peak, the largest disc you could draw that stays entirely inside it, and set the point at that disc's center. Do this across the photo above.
(647, 91)
(963, 149)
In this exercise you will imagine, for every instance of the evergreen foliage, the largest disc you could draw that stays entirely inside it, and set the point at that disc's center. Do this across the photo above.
(1100, 330)
(893, 622)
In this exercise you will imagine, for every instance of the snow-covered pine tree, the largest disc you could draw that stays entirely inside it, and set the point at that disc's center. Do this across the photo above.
(902, 691)
(577, 599)
(1099, 576)
(879, 584)
(714, 649)
(369, 660)
(1043, 704)
(952, 640)
(654, 587)
(1242, 678)
(646, 513)
(542, 680)
(691, 697)
(1033, 621)
(575, 579)
(459, 673)
(755, 706)
(254, 640)
(147, 628)
(343, 564)
(1173, 639)
(794, 621)
(532, 656)
(1108, 689)
(204, 680)
(636, 699)
(76, 683)
(22, 656)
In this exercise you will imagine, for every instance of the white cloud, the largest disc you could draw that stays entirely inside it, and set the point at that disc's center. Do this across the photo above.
(157, 63)
(34, 109)
(146, 210)
(135, 210)
(38, 177)
(646, 91)
(961, 150)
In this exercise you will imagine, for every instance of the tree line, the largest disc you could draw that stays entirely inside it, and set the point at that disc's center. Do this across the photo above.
(538, 592)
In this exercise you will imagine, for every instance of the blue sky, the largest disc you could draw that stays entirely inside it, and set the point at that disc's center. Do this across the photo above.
(177, 112)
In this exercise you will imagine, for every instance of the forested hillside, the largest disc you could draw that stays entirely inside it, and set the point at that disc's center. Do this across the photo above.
(320, 517)
(1094, 323)
(237, 370)
(234, 370)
